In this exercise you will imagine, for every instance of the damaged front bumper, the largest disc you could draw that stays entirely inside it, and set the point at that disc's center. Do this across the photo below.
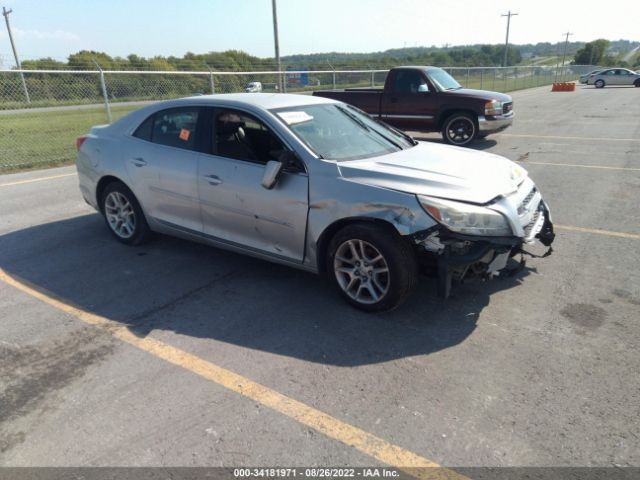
(458, 257)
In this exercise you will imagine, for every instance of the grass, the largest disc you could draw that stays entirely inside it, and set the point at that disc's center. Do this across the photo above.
(47, 139)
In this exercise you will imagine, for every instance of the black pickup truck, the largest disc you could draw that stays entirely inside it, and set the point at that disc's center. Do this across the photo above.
(428, 99)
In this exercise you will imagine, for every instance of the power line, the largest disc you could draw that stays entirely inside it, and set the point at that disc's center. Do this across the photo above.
(506, 42)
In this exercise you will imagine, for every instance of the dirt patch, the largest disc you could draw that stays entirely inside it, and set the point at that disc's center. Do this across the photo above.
(30, 375)
(584, 315)
(625, 295)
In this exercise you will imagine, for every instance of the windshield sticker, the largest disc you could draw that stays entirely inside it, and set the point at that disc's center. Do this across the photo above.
(184, 134)
(293, 118)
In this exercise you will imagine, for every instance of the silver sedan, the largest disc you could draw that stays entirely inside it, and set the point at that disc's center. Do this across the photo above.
(614, 76)
(314, 184)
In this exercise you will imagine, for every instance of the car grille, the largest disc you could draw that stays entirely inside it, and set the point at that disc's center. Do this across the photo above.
(525, 202)
(528, 228)
(507, 107)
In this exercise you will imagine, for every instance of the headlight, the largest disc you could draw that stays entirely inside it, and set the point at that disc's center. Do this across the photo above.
(465, 218)
(518, 174)
(494, 107)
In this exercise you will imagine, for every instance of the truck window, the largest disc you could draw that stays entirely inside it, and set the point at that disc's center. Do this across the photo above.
(407, 81)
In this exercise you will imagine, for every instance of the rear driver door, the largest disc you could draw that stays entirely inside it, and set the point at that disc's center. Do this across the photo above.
(163, 166)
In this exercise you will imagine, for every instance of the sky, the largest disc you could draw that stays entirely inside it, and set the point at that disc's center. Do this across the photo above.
(56, 28)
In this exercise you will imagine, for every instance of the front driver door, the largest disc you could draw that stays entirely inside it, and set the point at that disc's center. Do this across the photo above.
(235, 208)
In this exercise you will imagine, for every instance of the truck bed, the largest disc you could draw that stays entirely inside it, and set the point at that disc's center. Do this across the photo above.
(367, 99)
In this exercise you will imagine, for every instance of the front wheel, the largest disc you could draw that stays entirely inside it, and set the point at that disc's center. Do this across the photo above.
(373, 267)
(599, 83)
(636, 83)
(123, 214)
(460, 129)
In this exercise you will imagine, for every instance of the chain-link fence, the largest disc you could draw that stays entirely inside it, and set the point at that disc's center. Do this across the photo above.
(42, 112)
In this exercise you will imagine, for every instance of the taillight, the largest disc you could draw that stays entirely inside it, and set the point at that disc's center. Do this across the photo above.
(80, 141)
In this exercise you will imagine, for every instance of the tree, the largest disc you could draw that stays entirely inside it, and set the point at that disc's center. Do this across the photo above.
(592, 53)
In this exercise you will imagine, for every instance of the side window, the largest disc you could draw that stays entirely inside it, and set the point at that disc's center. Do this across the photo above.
(407, 81)
(175, 128)
(610, 72)
(144, 130)
(241, 136)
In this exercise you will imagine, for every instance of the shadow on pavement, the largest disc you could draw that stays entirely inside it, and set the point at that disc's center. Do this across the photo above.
(200, 291)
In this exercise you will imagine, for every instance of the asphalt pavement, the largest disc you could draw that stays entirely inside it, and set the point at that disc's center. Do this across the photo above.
(108, 367)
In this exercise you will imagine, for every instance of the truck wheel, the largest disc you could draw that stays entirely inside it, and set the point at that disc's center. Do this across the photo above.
(373, 268)
(460, 129)
(123, 215)
(599, 83)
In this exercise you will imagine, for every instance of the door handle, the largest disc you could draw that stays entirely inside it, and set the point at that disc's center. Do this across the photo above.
(139, 162)
(213, 179)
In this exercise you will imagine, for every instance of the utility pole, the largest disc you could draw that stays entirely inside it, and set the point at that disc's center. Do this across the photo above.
(277, 45)
(564, 52)
(506, 42)
(6, 13)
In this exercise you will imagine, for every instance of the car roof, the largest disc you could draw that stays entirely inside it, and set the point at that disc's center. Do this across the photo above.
(265, 101)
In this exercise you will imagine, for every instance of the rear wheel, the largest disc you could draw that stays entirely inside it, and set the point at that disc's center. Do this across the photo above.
(599, 83)
(460, 129)
(636, 83)
(373, 267)
(123, 215)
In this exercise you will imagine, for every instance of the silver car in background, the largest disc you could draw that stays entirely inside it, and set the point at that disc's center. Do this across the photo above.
(315, 184)
(585, 77)
(614, 76)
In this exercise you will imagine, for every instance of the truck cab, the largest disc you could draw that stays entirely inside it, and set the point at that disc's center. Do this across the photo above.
(428, 99)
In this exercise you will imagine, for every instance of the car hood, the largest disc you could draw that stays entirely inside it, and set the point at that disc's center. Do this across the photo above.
(442, 171)
(481, 94)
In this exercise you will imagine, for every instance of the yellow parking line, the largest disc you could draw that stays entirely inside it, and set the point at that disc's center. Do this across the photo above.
(350, 435)
(527, 162)
(39, 179)
(633, 236)
(571, 138)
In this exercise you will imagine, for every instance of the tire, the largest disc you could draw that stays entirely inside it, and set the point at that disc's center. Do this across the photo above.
(460, 129)
(636, 83)
(354, 255)
(123, 215)
(599, 83)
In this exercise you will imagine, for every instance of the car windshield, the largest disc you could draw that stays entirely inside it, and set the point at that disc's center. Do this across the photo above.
(442, 79)
(341, 132)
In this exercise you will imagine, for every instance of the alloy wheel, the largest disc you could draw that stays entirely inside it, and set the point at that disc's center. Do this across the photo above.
(361, 271)
(120, 214)
(460, 131)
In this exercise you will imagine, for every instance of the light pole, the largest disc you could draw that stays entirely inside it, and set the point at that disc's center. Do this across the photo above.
(281, 85)
(6, 13)
(506, 42)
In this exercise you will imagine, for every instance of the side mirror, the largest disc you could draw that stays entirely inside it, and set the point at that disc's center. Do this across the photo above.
(423, 88)
(272, 171)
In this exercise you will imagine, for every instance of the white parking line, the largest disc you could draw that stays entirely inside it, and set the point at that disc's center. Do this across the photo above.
(40, 179)
(571, 138)
(602, 167)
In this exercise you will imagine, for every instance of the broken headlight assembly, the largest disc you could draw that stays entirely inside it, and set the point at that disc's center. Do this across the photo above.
(465, 218)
